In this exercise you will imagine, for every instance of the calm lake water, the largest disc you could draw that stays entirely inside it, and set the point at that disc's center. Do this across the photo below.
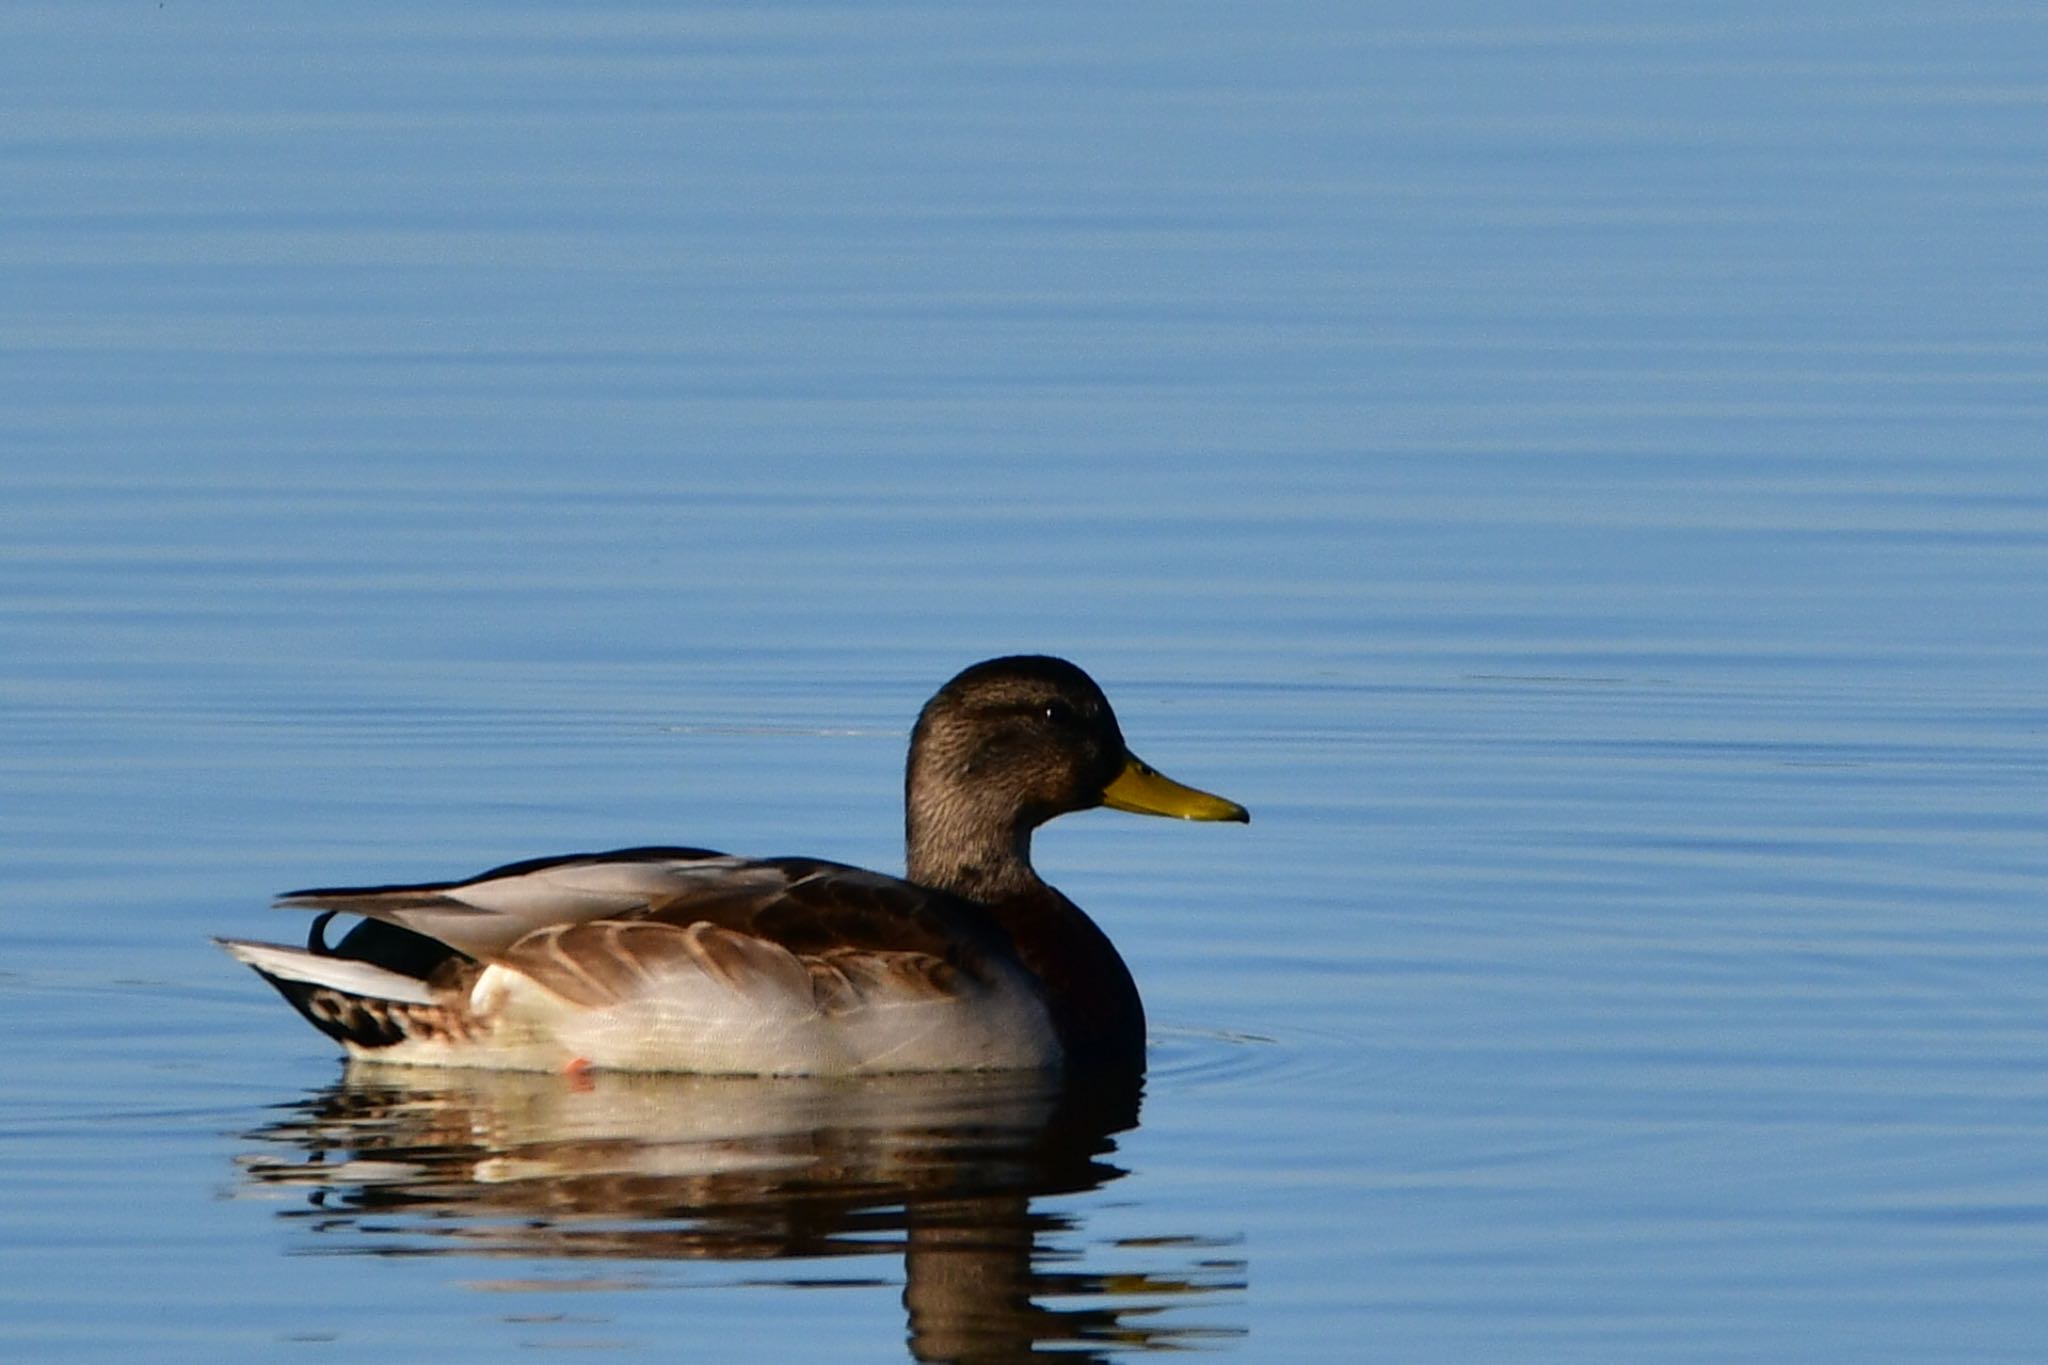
(1576, 473)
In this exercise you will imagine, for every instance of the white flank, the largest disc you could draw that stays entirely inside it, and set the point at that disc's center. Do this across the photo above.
(689, 1020)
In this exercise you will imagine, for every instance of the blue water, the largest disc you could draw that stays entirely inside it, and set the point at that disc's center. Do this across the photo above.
(1575, 474)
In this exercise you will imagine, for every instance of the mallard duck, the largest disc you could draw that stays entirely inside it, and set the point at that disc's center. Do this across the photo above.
(683, 959)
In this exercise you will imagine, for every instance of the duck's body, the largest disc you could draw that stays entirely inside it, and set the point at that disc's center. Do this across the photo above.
(681, 959)
(662, 959)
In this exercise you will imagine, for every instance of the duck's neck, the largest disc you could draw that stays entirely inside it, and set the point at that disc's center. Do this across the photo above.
(969, 849)
(1094, 1002)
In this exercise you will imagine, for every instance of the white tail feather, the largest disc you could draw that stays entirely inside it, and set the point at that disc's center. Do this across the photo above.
(347, 974)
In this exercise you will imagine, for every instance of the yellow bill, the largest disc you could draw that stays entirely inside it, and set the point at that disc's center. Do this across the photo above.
(1140, 789)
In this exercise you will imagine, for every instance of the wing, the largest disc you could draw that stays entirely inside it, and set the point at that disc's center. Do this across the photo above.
(485, 914)
(837, 936)
(624, 907)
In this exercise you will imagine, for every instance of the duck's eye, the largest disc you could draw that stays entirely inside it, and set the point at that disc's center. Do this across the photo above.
(1061, 714)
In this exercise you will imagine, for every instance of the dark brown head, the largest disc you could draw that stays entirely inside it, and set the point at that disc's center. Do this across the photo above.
(1007, 745)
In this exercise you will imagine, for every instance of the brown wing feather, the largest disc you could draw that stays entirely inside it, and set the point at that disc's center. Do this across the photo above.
(829, 936)
(820, 907)
(848, 978)
(603, 963)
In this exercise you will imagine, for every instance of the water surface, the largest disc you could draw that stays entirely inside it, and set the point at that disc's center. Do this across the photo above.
(1575, 475)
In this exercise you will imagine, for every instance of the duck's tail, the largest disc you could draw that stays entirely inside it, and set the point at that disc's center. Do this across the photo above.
(359, 1003)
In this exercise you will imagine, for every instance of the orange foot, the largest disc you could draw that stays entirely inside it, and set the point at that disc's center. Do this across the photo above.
(578, 1070)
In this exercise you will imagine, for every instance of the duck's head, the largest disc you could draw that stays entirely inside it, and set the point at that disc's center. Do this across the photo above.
(1007, 745)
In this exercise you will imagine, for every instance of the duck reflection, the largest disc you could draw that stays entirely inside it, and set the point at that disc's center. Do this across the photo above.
(941, 1170)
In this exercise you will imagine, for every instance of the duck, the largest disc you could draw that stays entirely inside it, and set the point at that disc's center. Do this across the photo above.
(679, 959)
